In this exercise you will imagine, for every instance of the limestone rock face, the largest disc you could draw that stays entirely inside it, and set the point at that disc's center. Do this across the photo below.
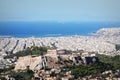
(52, 54)
(32, 62)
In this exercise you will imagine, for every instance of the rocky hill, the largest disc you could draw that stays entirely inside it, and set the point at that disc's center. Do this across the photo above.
(109, 32)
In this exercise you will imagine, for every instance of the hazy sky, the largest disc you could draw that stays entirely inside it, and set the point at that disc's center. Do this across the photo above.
(60, 10)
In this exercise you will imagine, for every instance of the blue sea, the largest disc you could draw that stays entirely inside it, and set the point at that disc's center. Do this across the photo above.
(51, 29)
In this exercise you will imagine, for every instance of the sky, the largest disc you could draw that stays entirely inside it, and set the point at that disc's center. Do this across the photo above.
(60, 10)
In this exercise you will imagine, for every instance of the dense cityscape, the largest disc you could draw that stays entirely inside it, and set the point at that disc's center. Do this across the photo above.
(93, 57)
(59, 39)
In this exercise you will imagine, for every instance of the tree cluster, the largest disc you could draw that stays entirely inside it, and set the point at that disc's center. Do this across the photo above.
(34, 50)
(106, 63)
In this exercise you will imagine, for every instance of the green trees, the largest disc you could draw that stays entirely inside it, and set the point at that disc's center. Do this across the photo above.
(113, 60)
(92, 69)
(106, 63)
(34, 50)
(4, 70)
(22, 75)
(2, 78)
(38, 50)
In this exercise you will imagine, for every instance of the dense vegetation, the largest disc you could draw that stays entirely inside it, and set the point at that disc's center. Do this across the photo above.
(20, 75)
(113, 60)
(106, 63)
(34, 50)
(91, 69)
(6, 69)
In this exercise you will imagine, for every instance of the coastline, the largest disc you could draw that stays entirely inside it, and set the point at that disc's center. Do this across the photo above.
(51, 29)
(42, 36)
(45, 36)
(103, 42)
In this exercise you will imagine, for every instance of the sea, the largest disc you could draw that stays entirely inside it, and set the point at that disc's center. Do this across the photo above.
(52, 29)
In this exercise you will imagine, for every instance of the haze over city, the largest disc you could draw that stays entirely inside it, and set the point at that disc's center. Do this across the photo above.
(60, 10)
